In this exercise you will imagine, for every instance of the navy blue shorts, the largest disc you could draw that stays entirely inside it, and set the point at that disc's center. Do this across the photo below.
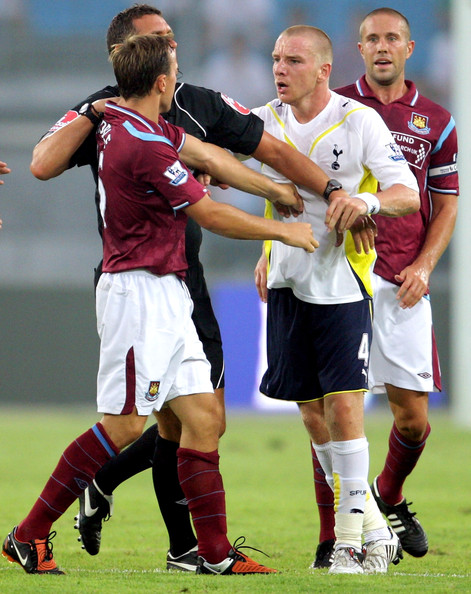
(315, 350)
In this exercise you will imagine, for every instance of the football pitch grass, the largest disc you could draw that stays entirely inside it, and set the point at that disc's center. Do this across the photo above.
(265, 461)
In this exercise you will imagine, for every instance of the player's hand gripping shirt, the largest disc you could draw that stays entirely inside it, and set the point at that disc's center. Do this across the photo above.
(143, 188)
(426, 133)
(350, 143)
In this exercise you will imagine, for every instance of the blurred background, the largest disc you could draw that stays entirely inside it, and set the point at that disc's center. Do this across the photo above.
(53, 54)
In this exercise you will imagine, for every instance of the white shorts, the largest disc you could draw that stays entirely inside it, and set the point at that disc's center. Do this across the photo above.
(150, 351)
(403, 350)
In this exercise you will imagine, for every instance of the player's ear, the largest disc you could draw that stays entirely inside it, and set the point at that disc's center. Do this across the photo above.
(360, 48)
(410, 48)
(161, 83)
(324, 72)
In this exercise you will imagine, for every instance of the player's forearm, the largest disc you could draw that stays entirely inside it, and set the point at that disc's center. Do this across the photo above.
(226, 220)
(398, 200)
(291, 163)
(227, 169)
(51, 156)
(439, 232)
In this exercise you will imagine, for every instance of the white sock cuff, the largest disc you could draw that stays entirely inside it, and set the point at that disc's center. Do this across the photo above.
(349, 447)
(322, 447)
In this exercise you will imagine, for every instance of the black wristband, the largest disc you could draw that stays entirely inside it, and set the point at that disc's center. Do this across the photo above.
(91, 113)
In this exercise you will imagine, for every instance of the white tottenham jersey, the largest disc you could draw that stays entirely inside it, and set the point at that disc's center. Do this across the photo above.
(352, 144)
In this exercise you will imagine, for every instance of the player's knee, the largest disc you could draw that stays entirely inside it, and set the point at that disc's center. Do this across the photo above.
(134, 432)
(412, 428)
(170, 427)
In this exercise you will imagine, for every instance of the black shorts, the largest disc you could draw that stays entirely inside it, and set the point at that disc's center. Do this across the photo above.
(315, 350)
(206, 324)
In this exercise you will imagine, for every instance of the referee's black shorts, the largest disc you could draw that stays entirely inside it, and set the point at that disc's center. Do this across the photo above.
(206, 324)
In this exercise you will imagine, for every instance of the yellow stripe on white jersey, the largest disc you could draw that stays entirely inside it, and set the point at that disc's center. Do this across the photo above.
(332, 128)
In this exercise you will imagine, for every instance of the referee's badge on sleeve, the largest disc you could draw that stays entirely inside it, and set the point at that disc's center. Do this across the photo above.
(235, 105)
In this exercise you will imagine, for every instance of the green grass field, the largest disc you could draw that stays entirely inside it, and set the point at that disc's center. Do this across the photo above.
(265, 461)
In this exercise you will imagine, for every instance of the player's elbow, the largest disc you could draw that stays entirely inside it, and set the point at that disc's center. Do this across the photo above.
(42, 166)
(40, 169)
(212, 217)
(39, 172)
(407, 200)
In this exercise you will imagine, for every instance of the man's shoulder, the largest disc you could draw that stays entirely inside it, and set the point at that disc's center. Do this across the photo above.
(349, 107)
(272, 110)
(202, 98)
(348, 91)
(432, 108)
(188, 91)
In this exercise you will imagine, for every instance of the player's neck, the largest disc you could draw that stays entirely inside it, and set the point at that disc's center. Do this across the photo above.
(311, 106)
(148, 106)
(388, 93)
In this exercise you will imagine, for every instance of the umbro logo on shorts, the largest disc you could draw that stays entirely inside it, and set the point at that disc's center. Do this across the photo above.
(424, 375)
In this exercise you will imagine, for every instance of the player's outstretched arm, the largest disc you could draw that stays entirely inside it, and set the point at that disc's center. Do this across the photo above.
(229, 221)
(52, 154)
(227, 169)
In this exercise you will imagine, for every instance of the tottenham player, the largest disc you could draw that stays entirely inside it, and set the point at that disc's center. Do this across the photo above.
(321, 305)
(215, 118)
(404, 358)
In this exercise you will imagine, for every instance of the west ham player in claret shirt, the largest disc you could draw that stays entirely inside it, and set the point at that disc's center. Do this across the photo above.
(150, 354)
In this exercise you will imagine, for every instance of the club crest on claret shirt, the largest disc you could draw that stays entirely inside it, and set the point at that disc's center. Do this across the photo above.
(419, 123)
(153, 391)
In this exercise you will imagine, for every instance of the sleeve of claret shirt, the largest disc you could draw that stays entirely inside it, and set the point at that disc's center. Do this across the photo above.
(162, 168)
(443, 171)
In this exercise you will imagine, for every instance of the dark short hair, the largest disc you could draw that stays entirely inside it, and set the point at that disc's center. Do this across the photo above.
(122, 24)
(390, 12)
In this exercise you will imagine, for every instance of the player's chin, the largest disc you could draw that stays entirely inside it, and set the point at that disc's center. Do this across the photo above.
(384, 76)
(282, 94)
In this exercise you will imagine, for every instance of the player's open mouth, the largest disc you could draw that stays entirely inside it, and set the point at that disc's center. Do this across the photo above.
(281, 86)
(382, 62)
